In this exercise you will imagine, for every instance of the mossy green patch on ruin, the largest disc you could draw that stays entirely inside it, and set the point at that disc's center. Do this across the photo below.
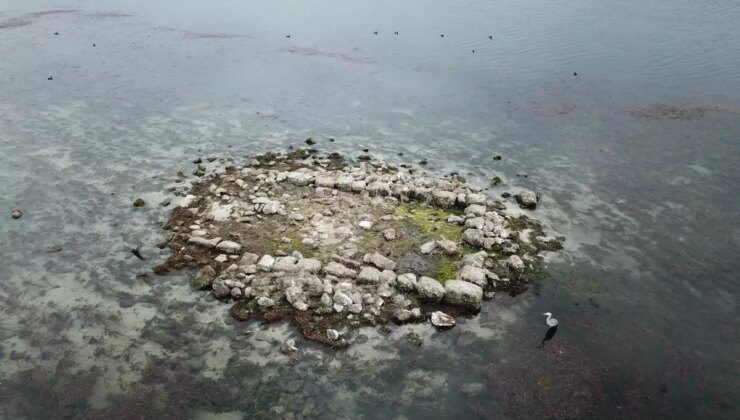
(431, 221)
(446, 269)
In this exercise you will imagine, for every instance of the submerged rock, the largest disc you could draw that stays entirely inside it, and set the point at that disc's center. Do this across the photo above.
(441, 319)
(527, 199)
(203, 278)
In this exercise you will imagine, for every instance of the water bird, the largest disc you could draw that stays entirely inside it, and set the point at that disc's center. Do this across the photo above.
(442, 35)
(551, 322)
(50, 78)
(473, 51)
(490, 36)
(93, 44)
(56, 33)
(375, 33)
(396, 32)
(287, 36)
(575, 74)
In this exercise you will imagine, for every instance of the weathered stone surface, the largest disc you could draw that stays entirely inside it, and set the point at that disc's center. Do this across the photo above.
(369, 275)
(475, 199)
(389, 234)
(444, 199)
(249, 259)
(475, 223)
(266, 262)
(473, 237)
(462, 293)
(527, 199)
(406, 282)
(336, 269)
(428, 247)
(379, 261)
(365, 224)
(310, 265)
(441, 319)
(220, 290)
(203, 278)
(515, 263)
(208, 243)
(474, 274)
(430, 289)
(454, 219)
(475, 209)
(285, 264)
(229, 247)
(449, 247)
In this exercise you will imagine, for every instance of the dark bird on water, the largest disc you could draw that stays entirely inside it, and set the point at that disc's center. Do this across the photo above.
(442, 35)
(56, 33)
(93, 45)
(287, 36)
(136, 253)
(375, 33)
(396, 32)
(50, 78)
(490, 36)
(365, 150)
(473, 51)
(575, 74)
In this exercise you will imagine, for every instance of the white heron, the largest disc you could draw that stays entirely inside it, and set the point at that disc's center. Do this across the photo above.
(551, 322)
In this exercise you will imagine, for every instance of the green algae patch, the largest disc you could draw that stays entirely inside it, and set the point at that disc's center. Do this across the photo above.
(431, 221)
(445, 269)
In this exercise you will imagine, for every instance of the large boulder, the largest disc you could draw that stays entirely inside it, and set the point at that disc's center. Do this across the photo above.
(527, 199)
(203, 278)
(444, 198)
(430, 289)
(336, 269)
(379, 261)
(462, 293)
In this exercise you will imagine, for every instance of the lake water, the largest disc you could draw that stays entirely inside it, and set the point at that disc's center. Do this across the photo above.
(636, 160)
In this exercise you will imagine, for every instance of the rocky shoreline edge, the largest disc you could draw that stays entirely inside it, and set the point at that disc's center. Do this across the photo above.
(330, 244)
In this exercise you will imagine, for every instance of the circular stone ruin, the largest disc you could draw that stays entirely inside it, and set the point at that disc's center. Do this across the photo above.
(331, 244)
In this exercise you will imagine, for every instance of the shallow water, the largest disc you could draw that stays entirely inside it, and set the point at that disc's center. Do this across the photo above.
(646, 195)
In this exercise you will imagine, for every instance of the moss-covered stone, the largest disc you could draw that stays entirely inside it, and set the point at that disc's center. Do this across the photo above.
(431, 221)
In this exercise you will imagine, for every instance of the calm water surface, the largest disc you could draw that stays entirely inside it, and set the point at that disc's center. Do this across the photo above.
(636, 159)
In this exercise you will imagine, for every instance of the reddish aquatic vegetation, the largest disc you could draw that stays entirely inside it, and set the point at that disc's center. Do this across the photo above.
(674, 112)
(555, 110)
(53, 12)
(105, 15)
(350, 58)
(209, 35)
(13, 23)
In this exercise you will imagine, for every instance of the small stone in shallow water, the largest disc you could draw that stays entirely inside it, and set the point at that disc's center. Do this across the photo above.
(414, 338)
(441, 319)
(288, 346)
(332, 334)
(16, 214)
(527, 199)
(139, 202)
